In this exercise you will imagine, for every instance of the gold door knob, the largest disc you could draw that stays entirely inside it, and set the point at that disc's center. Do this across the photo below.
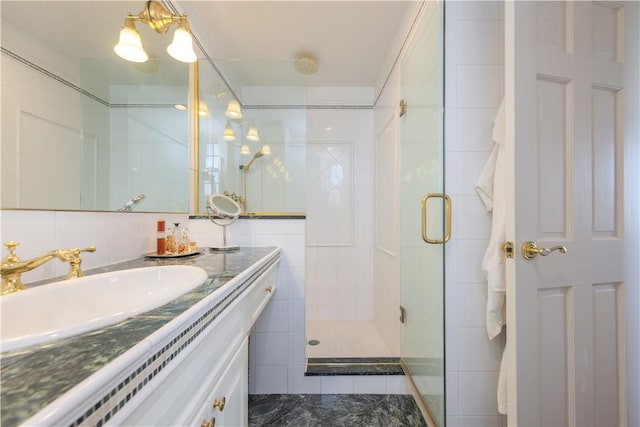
(269, 289)
(531, 250)
(219, 403)
(210, 423)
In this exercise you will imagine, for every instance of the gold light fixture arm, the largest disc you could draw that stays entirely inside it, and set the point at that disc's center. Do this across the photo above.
(157, 17)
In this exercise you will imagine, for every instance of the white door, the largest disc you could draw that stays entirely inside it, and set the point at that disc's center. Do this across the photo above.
(565, 97)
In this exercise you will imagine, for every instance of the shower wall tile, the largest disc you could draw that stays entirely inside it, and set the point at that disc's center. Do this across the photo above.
(471, 313)
(452, 394)
(470, 207)
(451, 87)
(465, 168)
(477, 393)
(473, 95)
(474, 88)
(479, 42)
(476, 352)
(451, 346)
(476, 134)
(339, 215)
(468, 255)
(478, 10)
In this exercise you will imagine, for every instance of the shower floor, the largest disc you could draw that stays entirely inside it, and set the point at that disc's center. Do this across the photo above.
(345, 338)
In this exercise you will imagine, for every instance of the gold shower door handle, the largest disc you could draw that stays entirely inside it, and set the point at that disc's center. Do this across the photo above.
(447, 219)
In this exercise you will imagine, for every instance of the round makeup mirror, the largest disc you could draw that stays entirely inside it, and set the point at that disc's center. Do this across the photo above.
(223, 211)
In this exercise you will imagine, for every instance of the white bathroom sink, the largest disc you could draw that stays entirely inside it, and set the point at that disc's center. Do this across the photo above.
(70, 307)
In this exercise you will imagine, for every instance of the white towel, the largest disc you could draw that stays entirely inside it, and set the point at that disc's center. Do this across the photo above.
(490, 188)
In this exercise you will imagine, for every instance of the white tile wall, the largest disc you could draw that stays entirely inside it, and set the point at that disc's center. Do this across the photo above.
(277, 340)
(117, 236)
(474, 82)
(277, 351)
(340, 215)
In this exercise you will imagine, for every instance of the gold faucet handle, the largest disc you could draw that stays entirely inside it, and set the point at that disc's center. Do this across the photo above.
(73, 256)
(11, 247)
(87, 249)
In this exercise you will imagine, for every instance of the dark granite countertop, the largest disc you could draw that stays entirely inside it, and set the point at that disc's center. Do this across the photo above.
(33, 377)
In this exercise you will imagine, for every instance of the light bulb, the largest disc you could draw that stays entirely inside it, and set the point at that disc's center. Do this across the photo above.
(252, 135)
(181, 48)
(203, 109)
(266, 150)
(129, 45)
(245, 149)
(229, 134)
(233, 110)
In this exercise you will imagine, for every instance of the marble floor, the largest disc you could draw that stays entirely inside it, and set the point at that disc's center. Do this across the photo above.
(345, 338)
(334, 410)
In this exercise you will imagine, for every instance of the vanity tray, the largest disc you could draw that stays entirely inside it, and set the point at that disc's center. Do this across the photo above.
(182, 255)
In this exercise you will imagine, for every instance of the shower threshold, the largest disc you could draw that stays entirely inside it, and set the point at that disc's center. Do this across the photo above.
(327, 366)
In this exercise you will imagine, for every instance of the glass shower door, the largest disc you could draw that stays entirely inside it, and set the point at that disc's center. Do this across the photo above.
(424, 208)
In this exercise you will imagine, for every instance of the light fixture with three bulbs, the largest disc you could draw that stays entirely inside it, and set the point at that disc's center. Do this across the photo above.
(157, 17)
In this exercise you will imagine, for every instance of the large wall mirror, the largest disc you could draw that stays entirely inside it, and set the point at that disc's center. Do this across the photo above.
(83, 129)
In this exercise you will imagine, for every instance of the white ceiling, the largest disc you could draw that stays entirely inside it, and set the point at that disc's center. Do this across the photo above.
(354, 41)
(350, 39)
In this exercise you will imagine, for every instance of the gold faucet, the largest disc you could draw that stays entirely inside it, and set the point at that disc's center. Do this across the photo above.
(13, 267)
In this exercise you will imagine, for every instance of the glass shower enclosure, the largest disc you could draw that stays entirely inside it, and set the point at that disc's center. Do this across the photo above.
(425, 212)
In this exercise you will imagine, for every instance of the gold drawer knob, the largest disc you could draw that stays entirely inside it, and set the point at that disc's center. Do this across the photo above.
(269, 289)
(219, 403)
(210, 423)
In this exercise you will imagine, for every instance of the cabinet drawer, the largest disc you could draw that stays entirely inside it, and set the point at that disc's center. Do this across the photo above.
(226, 404)
(261, 292)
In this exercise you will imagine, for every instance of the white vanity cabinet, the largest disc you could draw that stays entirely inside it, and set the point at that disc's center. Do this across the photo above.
(213, 371)
(226, 404)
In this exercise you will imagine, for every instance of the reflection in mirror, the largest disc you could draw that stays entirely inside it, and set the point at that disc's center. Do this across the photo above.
(83, 129)
(257, 159)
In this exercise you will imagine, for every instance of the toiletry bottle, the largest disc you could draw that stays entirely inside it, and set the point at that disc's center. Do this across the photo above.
(161, 248)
